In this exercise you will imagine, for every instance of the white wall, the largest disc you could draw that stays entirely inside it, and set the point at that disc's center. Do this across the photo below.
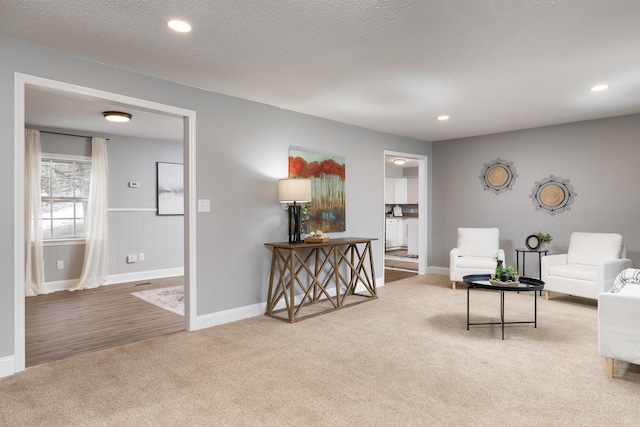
(599, 157)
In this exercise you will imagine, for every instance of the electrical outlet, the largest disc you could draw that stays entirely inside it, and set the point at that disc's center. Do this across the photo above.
(131, 259)
(141, 256)
(60, 265)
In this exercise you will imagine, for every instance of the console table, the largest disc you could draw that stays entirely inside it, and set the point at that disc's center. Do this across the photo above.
(322, 276)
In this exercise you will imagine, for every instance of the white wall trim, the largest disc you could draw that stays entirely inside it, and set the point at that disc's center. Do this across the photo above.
(189, 142)
(438, 270)
(144, 275)
(423, 211)
(58, 285)
(241, 313)
(132, 210)
(7, 365)
(65, 285)
(228, 316)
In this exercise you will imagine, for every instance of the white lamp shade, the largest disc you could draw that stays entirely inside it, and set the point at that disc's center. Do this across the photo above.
(294, 190)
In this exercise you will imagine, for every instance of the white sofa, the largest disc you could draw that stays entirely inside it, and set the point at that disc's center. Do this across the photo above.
(618, 320)
(592, 263)
(477, 252)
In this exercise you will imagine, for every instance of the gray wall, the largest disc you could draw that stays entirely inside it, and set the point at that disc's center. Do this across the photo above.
(599, 157)
(242, 150)
(133, 227)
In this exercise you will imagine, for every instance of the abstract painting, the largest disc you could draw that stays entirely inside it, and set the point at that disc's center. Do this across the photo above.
(170, 189)
(327, 173)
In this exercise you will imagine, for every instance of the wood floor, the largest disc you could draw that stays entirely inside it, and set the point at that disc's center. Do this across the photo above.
(396, 269)
(65, 324)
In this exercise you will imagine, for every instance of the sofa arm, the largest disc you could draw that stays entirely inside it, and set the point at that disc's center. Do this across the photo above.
(618, 319)
(607, 271)
(453, 258)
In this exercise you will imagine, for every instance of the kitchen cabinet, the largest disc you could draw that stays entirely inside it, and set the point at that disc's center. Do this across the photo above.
(389, 190)
(395, 191)
(393, 233)
(401, 191)
(412, 190)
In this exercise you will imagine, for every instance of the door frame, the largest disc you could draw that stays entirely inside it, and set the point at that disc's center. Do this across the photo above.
(423, 210)
(189, 147)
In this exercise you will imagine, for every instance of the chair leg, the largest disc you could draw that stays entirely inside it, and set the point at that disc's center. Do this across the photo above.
(453, 284)
(609, 363)
(546, 295)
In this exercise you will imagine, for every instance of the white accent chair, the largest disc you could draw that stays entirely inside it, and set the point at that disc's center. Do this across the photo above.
(477, 252)
(618, 320)
(592, 263)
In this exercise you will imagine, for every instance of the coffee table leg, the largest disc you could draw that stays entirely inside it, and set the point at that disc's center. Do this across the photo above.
(535, 310)
(502, 311)
(468, 308)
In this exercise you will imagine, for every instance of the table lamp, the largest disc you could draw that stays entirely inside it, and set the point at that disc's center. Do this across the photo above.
(294, 191)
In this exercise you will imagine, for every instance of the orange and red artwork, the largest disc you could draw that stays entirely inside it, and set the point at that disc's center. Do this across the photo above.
(327, 174)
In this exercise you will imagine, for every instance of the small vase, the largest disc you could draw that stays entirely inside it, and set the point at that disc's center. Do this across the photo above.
(304, 228)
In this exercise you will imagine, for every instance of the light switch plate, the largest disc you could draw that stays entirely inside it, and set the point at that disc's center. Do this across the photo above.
(204, 205)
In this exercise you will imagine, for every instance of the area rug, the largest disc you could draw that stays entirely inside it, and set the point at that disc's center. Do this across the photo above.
(171, 299)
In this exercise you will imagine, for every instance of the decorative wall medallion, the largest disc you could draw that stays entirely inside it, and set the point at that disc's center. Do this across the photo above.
(552, 195)
(498, 176)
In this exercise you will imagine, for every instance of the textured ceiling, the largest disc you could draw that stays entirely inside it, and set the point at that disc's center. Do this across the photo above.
(391, 66)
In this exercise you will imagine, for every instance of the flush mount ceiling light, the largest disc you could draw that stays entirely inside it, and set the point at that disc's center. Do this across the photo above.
(117, 116)
(399, 161)
(179, 25)
(443, 117)
(599, 88)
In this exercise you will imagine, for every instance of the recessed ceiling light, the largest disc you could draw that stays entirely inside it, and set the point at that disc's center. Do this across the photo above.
(399, 161)
(443, 117)
(179, 26)
(599, 88)
(117, 116)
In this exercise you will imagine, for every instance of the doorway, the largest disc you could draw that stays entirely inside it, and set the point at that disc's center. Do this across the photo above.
(188, 119)
(405, 215)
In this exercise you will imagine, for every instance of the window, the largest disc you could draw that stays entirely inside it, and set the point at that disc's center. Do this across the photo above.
(65, 196)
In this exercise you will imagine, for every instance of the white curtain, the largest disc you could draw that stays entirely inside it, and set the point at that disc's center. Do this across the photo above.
(95, 267)
(34, 265)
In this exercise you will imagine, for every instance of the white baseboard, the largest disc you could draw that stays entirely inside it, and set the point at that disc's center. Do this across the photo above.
(7, 366)
(438, 270)
(228, 316)
(63, 285)
(58, 285)
(240, 313)
(144, 275)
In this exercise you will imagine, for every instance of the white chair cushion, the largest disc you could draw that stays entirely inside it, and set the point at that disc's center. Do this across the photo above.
(479, 242)
(592, 248)
(476, 262)
(630, 290)
(574, 271)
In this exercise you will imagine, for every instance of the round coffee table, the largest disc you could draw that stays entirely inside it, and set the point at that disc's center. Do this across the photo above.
(526, 284)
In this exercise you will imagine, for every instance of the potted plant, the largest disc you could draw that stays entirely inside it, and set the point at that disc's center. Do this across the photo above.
(544, 238)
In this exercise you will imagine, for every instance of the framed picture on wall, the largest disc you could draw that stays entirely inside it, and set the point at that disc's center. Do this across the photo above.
(170, 188)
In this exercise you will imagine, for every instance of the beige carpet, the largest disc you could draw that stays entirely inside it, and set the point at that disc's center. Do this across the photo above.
(405, 359)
